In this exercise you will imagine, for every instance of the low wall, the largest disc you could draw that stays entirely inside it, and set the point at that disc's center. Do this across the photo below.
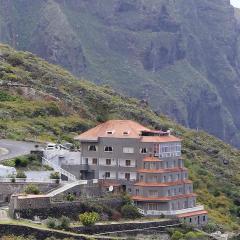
(40, 234)
(138, 227)
(7, 189)
(58, 209)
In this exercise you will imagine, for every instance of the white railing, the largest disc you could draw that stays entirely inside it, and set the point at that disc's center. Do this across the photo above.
(173, 212)
(27, 180)
(59, 169)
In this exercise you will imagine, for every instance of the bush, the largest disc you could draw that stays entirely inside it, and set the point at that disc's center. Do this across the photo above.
(210, 227)
(89, 218)
(116, 216)
(177, 235)
(64, 222)
(130, 211)
(21, 175)
(32, 189)
(51, 223)
(21, 162)
(70, 197)
(55, 175)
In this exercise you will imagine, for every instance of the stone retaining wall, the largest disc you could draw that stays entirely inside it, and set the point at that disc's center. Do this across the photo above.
(123, 227)
(39, 234)
(57, 209)
(7, 189)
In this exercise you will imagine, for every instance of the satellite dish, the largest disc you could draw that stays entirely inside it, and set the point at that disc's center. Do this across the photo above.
(110, 189)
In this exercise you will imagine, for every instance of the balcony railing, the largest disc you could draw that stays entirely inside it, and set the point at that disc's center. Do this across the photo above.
(172, 212)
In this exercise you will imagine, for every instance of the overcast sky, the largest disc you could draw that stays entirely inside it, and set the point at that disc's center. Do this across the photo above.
(236, 3)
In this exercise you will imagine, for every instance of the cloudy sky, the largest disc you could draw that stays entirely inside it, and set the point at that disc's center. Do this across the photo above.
(236, 3)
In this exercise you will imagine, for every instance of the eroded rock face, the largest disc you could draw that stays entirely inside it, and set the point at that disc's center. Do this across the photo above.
(183, 57)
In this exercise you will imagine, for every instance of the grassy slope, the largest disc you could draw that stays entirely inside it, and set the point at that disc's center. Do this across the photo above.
(81, 105)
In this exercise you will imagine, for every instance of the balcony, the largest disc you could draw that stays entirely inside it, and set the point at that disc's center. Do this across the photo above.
(171, 212)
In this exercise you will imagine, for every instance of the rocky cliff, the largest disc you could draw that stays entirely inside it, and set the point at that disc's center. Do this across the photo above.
(181, 56)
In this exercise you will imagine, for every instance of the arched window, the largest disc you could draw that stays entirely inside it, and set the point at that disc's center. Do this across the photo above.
(108, 149)
(92, 148)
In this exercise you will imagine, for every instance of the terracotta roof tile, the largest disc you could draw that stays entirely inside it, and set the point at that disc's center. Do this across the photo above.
(168, 198)
(118, 127)
(190, 214)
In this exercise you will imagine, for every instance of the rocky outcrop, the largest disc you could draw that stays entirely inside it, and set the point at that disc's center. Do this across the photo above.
(182, 57)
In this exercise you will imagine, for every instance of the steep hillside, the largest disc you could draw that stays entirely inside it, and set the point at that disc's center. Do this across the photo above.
(181, 56)
(42, 101)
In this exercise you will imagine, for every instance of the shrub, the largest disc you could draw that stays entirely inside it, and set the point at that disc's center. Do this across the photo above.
(21, 162)
(177, 235)
(210, 227)
(130, 211)
(51, 223)
(64, 222)
(89, 218)
(21, 175)
(32, 189)
(55, 175)
(70, 197)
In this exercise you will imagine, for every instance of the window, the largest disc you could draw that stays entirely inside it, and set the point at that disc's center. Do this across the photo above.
(137, 191)
(108, 161)
(204, 218)
(169, 192)
(143, 150)
(107, 174)
(128, 162)
(128, 150)
(108, 149)
(110, 132)
(94, 161)
(126, 133)
(92, 148)
(127, 176)
(152, 206)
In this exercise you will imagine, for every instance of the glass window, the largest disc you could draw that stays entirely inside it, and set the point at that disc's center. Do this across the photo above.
(108, 161)
(143, 150)
(92, 148)
(108, 149)
(128, 163)
(107, 174)
(94, 161)
(127, 176)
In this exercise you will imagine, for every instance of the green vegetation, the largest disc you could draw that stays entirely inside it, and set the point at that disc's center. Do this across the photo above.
(32, 189)
(89, 218)
(214, 166)
(70, 197)
(61, 223)
(130, 212)
(28, 162)
(21, 175)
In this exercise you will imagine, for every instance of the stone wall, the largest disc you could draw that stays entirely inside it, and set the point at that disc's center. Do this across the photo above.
(7, 189)
(25, 209)
(39, 234)
(138, 227)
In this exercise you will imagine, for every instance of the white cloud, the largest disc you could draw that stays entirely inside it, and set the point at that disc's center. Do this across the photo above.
(235, 3)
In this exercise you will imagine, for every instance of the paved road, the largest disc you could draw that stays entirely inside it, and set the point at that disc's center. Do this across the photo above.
(15, 148)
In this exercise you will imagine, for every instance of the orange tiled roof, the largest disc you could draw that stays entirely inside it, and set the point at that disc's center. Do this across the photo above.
(162, 170)
(152, 159)
(165, 184)
(118, 127)
(190, 214)
(168, 198)
(160, 139)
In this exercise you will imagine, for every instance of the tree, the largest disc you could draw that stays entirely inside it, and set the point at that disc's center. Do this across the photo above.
(130, 211)
(177, 235)
(89, 218)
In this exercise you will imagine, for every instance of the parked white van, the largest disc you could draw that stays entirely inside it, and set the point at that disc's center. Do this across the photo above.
(7, 171)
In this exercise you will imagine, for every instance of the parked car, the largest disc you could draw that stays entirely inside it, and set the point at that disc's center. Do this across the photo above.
(52, 146)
